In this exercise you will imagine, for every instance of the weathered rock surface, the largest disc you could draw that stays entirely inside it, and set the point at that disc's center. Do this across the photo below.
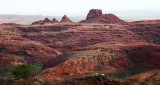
(37, 22)
(107, 58)
(69, 37)
(54, 20)
(109, 48)
(110, 18)
(149, 30)
(65, 19)
(46, 20)
(146, 78)
(11, 60)
(16, 49)
(96, 16)
(32, 51)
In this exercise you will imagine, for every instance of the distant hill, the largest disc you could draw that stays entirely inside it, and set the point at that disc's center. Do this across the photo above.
(131, 15)
(28, 19)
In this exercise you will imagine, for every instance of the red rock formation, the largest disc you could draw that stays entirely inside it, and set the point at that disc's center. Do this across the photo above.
(107, 58)
(96, 16)
(146, 78)
(11, 60)
(46, 20)
(9, 24)
(54, 20)
(65, 19)
(93, 15)
(33, 52)
(37, 22)
(12, 44)
(74, 36)
(85, 46)
(110, 18)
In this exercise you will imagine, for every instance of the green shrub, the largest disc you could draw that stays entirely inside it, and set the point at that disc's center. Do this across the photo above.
(20, 54)
(24, 71)
(3, 53)
(6, 69)
(37, 68)
(93, 72)
(42, 23)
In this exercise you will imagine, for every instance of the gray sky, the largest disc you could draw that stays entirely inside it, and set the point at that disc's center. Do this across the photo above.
(72, 7)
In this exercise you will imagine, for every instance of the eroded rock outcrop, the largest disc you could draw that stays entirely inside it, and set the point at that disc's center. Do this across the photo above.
(54, 20)
(93, 15)
(37, 22)
(110, 18)
(14, 49)
(146, 78)
(65, 19)
(106, 58)
(46, 20)
(96, 16)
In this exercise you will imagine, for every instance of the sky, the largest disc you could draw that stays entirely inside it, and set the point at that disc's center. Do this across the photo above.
(73, 7)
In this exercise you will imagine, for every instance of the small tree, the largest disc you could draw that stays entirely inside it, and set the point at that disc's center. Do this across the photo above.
(24, 71)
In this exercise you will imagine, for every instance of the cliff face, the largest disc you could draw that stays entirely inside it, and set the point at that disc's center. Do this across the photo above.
(94, 15)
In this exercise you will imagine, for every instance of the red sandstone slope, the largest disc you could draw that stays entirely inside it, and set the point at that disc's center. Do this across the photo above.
(16, 49)
(110, 18)
(149, 30)
(67, 37)
(103, 57)
(96, 16)
(146, 78)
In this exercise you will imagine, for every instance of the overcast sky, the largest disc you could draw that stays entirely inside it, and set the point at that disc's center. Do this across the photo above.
(72, 7)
